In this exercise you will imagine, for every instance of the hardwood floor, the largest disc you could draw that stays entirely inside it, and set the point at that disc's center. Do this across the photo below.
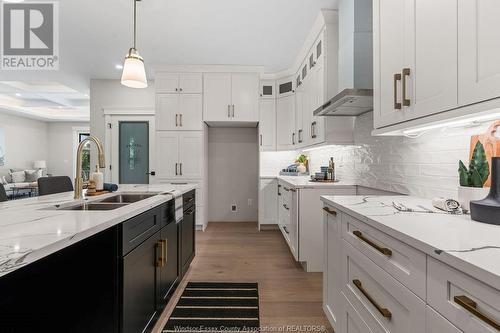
(238, 252)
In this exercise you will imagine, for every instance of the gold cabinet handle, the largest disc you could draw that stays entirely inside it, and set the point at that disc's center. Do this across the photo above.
(165, 251)
(385, 251)
(471, 306)
(406, 73)
(160, 262)
(329, 211)
(383, 311)
(397, 105)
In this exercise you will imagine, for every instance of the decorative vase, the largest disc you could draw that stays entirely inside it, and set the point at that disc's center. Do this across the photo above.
(468, 194)
(488, 209)
(301, 168)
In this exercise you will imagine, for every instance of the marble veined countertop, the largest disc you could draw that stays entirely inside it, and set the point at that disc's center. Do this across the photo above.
(31, 230)
(469, 246)
(303, 182)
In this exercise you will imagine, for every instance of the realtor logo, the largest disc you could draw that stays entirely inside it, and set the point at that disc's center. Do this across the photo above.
(30, 36)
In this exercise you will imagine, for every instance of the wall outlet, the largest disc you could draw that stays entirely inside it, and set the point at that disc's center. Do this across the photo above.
(234, 208)
(250, 202)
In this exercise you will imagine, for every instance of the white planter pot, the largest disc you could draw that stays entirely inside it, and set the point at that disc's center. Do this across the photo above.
(468, 194)
(301, 168)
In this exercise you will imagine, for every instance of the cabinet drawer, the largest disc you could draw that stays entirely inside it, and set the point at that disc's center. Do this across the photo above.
(136, 230)
(435, 323)
(351, 320)
(403, 262)
(469, 304)
(382, 302)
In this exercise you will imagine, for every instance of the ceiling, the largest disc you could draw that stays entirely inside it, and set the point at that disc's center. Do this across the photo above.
(95, 36)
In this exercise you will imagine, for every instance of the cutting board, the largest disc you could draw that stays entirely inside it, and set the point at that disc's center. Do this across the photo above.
(491, 145)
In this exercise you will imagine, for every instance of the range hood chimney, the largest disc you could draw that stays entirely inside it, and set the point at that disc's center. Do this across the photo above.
(355, 70)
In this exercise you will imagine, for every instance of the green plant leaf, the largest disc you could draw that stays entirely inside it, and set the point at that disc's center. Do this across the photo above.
(476, 179)
(464, 175)
(479, 163)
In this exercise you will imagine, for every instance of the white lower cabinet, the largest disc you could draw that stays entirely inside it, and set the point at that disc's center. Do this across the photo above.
(467, 303)
(288, 218)
(381, 279)
(268, 201)
(435, 323)
(332, 297)
(384, 304)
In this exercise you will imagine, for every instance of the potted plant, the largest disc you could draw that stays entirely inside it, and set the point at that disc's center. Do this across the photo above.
(472, 180)
(302, 163)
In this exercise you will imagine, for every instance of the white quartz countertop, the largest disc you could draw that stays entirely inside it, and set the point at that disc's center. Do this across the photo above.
(469, 246)
(304, 182)
(31, 230)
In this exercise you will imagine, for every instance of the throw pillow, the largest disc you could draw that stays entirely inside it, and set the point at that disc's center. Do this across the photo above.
(18, 177)
(32, 175)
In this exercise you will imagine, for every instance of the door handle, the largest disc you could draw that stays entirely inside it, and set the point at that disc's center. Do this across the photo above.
(176, 173)
(180, 89)
(152, 173)
(279, 186)
(165, 253)
(329, 211)
(286, 230)
(176, 89)
(383, 311)
(229, 111)
(300, 136)
(180, 168)
(471, 306)
(293, 138)
(180, 119)
(233, 111)
(385, 251)
(261, 140)
(176, 120)
(406, 73)
(313, 124)
(397, 105)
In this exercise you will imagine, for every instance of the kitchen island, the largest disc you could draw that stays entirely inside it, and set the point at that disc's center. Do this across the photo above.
(105, 269)
(397, 264)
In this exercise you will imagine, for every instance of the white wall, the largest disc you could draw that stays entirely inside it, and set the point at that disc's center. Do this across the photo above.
(110, 94)
(233, 155)
(62, 148)
(25, 141)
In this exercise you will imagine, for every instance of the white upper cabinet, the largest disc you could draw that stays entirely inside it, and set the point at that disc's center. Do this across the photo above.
(230, 97)
(217, 97)
(285, 118)
(267, 89)
(267, 125)
(188, 83)
(478, 50)
(286, 86)
(179, 112)
(245, 97)
(432, 57)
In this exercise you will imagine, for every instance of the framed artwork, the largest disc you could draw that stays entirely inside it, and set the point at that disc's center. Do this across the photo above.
(2, 147)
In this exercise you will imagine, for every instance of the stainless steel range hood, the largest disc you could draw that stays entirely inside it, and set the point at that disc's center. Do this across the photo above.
(355, 61)
(349, 102)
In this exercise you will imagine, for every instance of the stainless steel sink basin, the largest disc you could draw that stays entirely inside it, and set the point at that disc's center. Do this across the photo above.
(128, 198)
(95, 206)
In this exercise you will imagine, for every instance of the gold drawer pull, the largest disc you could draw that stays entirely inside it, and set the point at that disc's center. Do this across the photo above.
(397, 77)
(385, 251)
(160, 262)
(471, 306)
(383, 311)
(329, 211)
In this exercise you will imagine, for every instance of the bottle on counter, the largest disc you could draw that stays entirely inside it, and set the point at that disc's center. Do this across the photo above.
(98, 178)
(331, 170)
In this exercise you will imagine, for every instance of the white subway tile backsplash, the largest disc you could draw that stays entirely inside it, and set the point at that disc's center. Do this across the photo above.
(425, 166)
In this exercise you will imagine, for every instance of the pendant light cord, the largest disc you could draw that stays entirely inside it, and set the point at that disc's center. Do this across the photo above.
(135, 24)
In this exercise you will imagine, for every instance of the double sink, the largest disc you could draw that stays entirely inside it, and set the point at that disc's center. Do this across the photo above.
(110, 203)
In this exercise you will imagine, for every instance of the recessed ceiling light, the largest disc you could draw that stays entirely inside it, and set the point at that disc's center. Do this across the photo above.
(119, 66)
(18, 95)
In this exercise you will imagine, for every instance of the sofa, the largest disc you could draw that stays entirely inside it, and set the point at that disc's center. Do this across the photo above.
(19, 178)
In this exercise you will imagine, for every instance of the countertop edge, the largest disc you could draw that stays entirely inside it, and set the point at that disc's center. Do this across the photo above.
(468, 268)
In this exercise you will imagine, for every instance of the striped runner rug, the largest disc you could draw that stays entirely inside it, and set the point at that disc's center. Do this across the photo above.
(216, 307)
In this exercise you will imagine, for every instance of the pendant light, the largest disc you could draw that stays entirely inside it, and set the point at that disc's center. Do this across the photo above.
(134, 74)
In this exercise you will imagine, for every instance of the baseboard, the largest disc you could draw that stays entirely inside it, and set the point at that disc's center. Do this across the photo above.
(264, 227)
